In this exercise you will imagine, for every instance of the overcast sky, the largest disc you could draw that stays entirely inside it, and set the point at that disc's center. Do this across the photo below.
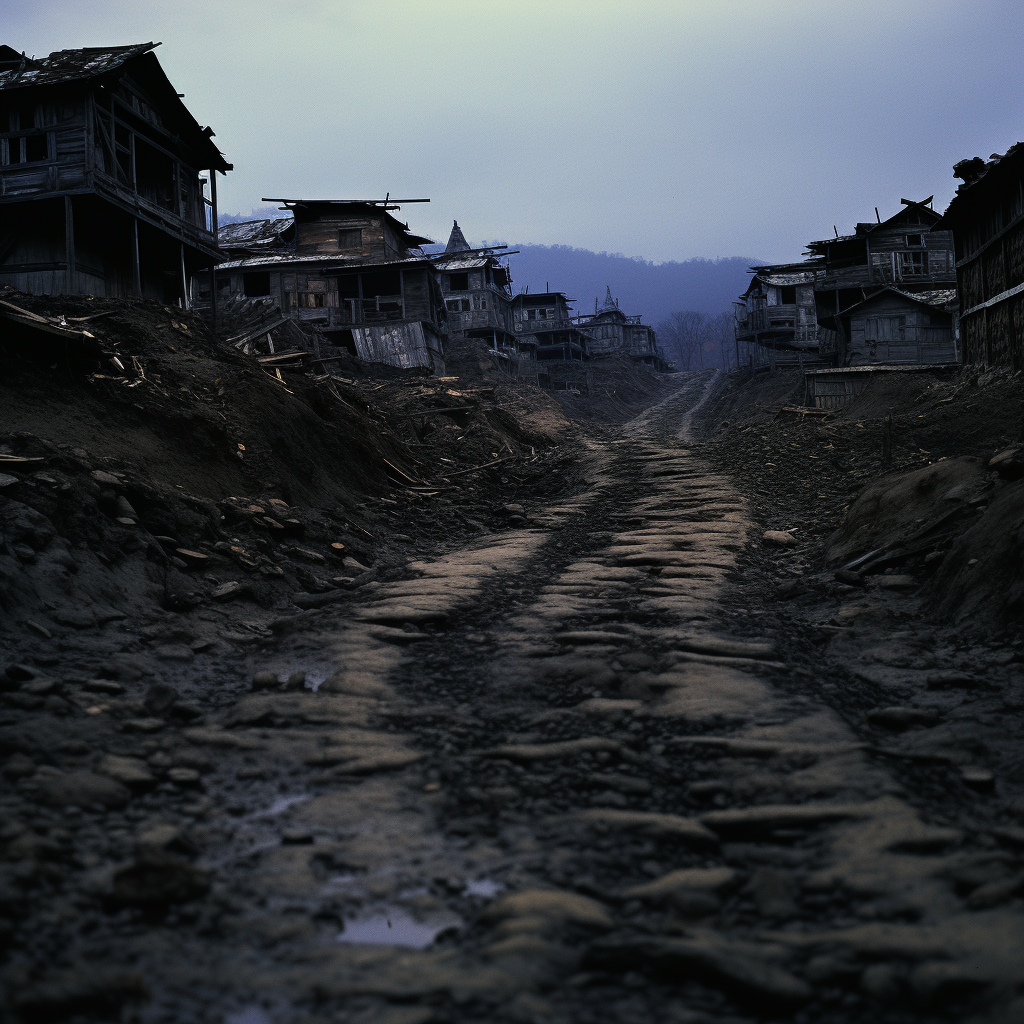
(660, 130)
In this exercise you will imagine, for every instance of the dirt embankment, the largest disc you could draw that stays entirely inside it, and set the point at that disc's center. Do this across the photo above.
(897, 482)
(171, 468)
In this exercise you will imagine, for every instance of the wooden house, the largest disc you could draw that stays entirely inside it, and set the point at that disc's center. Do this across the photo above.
(477, 291)
(103, 176)
(350, 270)
(895, 327)
(609, 332)
(775, 318)
(986, 218)
(544, 325)
(908, 252)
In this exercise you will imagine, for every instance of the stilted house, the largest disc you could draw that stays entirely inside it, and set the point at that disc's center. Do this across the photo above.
(906, 254)
(609, 332)
(107, 183)
(986, 218)
(776, 319)
(544, 325)
(351, 271)
(477, 291)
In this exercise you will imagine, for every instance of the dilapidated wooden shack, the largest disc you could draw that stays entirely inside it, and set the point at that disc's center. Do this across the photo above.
(351, 271)
(544, 324)
(610, 332)
(895, 327)
(477, 291)
(908, 252)
(107, 182)
(775, 318)
(986, 218)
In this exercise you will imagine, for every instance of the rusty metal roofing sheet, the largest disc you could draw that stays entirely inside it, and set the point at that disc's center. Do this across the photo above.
(253, 232)
(464, 264)
(69, 65)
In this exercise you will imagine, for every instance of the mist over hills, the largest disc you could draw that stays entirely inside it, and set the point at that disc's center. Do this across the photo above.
(652, 290)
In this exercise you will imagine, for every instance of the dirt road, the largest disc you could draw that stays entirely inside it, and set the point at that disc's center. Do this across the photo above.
(574, 771)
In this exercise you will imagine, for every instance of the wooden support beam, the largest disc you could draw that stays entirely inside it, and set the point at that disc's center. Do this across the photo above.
(71, 269)
(136, 265)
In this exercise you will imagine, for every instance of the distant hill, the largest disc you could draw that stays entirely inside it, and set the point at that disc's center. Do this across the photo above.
(653, 290)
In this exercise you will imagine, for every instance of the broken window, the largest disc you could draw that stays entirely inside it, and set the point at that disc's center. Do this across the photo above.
(26, 118)
(454, 305)
(787, 295)
(915, 240)
(531, 314)
(35, 148)
(913, 264)
(14, 151)
(381, 282)
(350, 238)
(458, 282)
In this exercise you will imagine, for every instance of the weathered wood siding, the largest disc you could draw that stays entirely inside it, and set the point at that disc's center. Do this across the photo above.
(894, 330)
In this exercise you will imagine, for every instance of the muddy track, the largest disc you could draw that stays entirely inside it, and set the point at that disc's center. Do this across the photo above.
(570, 772)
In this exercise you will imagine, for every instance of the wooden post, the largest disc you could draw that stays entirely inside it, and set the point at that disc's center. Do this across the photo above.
(136, 266)
(401, 288)
(184, 281)
(213, 297)
(213, 204)
(70, 273)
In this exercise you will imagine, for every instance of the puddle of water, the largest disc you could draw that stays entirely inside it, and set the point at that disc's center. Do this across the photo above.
(392, 928)
(248, 1015)
(485, 887)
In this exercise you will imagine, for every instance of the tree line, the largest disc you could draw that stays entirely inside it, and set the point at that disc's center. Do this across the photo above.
(694, 340)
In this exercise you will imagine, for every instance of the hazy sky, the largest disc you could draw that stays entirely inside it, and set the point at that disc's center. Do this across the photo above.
(661, 130)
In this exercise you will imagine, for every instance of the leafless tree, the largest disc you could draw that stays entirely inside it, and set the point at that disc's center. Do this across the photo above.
(721, 337)
(682, 333)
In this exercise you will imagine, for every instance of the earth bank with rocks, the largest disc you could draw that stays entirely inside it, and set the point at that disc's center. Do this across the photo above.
(511, 712)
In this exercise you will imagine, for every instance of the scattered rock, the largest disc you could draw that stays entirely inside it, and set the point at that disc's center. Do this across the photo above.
(779, 539)
(266, 681)
(82, 789)
(551, 905)
(977, 778)
(157, 879)
(130, 771)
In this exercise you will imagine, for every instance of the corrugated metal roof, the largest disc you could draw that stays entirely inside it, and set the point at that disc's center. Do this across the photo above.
(253, 232)
(69, 65)
(471, 263)
(327, 262)
(782, 280)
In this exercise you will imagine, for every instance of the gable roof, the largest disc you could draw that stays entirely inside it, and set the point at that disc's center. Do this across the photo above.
(861, 231)
(939, 299)
(94, 62)
(457, 240)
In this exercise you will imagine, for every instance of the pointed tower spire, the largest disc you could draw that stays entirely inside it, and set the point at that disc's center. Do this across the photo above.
(457, 240)
(609, 302)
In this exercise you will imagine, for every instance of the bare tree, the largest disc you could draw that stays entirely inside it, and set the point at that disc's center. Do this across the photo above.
(721, 337)
(682, 333)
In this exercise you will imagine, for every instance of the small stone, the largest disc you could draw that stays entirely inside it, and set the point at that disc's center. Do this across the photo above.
(82, 789)
(20, 673)
(157, 880)
(551, 905)
(297, 837)
(6, 480)
(779, 538)
(105, 479)
(160, 697)
(265, 681)
(296, 680)
(143, 724)
(39, 687)
(226, 591)
(184, 776)
(193, 559)
(897, 582)
(127, 770)
(977, 778)
(103, 686)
